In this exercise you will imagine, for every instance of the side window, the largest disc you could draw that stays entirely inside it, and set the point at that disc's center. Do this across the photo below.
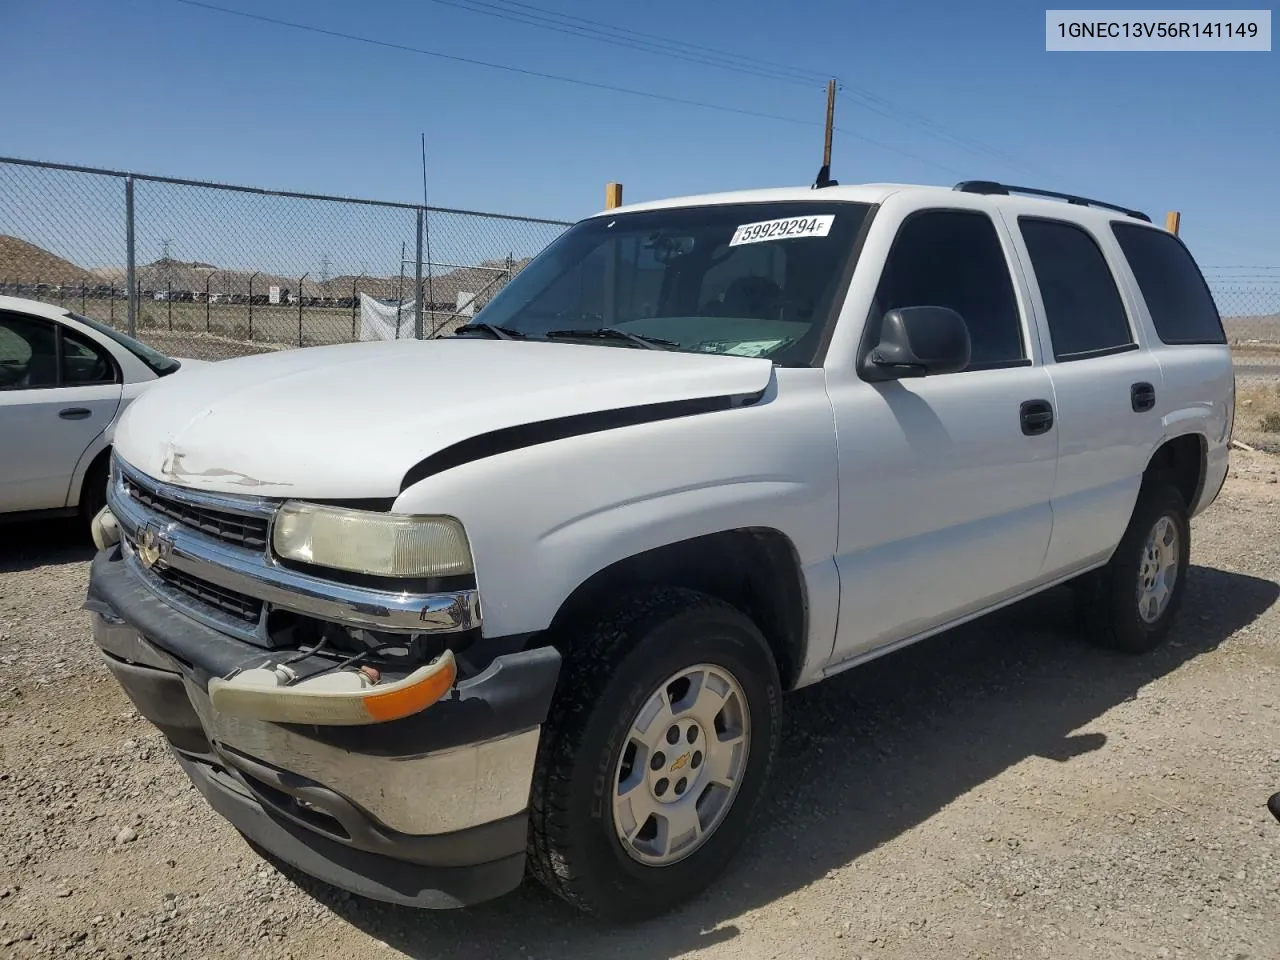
(1081, 301)
(84, 363)
(952, 258)
(1178, 300)
(28, 353)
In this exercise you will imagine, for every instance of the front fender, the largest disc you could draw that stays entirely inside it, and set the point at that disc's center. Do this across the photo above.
(543, 519)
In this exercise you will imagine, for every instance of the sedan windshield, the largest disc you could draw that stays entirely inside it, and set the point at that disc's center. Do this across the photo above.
(750, 279)
(158, 362)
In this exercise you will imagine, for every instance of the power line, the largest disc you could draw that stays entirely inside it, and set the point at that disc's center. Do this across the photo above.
(577, 81)
(884, 108)
(594, 84)
(821, 75)
(527, 13)
(898, 150)
(635, 40)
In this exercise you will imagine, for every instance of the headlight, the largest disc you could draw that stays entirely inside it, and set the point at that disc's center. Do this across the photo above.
(383, 544)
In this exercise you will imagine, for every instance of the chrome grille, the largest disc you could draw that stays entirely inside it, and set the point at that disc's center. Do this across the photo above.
(206, 554)
(233, 528)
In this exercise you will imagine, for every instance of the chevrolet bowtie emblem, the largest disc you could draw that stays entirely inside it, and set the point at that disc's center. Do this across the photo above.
(152, 546)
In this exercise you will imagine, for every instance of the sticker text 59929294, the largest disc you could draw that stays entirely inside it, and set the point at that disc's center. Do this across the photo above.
(784, 229)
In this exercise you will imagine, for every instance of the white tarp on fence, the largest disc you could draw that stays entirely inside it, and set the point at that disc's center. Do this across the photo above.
(378, 321)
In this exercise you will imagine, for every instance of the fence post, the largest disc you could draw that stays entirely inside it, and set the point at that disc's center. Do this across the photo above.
(1172, 221)
(83, 285)
(206, 302)
(417, 281)
(355, 302)
(612, 195)
(170, 296)
(130, 271)
(300, 298)
(113, 304)
(400, 292)
(255, 273)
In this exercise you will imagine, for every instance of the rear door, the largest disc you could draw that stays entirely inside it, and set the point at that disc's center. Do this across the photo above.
(58, 391)
(1189, 344)
(1106, 387)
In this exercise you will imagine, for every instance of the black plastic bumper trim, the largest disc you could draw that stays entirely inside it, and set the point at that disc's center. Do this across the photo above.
(358, 871)
(280, 792)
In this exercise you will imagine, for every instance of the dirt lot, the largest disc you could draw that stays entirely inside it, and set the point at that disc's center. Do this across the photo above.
(220, 331)
(1002, 791)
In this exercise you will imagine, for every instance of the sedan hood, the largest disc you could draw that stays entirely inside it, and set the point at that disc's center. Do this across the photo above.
(350, 421)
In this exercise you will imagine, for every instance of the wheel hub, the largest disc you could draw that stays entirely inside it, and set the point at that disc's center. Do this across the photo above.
(677, 764)
(684, 759)
(1158, 570)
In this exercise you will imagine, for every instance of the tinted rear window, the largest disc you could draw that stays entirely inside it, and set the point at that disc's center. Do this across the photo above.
(1082, 305)
(1177, 298)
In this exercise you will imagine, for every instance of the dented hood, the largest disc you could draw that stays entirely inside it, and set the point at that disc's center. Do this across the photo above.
(350, 421)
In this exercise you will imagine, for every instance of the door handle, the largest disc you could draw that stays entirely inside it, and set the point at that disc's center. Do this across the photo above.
(1036, 417)
(74, 413)
(1142, 397)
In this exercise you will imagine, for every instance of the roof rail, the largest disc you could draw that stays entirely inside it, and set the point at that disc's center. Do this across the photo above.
(1004, 189)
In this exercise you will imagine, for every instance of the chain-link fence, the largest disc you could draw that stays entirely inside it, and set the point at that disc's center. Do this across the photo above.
(1249, 300)
(212, 271)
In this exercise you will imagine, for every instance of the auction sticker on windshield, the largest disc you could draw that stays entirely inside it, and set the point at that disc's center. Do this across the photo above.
(783, 229)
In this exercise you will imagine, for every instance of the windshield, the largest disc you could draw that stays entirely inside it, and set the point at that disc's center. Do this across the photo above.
(158, 362)
(751, 279)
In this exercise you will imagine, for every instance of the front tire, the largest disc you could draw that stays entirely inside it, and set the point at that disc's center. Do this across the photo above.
(655, 754)
(1135, 597)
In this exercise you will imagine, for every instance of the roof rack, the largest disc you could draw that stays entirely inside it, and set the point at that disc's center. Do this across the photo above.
(1004, 189)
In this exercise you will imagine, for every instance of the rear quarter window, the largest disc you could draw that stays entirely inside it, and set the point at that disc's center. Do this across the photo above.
(1176, 295)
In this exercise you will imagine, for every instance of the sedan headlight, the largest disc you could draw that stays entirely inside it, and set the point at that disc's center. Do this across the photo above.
(383, 544)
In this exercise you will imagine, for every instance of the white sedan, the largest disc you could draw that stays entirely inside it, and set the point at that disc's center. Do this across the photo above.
(64, 381)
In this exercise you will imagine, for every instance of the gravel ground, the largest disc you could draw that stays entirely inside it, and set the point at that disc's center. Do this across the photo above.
(1003, 791)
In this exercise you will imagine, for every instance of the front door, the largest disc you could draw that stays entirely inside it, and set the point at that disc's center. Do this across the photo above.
(945, 481)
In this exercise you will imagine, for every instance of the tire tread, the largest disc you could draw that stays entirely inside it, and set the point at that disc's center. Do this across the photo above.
(1108, 609)
(591, 659)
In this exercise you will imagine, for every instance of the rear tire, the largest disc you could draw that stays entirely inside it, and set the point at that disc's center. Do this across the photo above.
(93, 491)
(596, 769)
(1132, 601)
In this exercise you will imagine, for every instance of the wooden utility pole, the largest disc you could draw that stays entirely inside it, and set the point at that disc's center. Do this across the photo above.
(1172, 221)
(831, 118)
(612, 195)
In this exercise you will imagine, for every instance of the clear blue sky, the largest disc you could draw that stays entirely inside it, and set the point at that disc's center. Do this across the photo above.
(159, 87)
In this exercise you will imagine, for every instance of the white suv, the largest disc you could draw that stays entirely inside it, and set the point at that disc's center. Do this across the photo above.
(416, 615)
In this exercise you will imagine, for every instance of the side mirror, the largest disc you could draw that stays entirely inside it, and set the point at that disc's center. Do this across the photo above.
(917, 342)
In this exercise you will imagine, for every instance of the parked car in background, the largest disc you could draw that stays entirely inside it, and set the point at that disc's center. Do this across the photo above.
(64, 381)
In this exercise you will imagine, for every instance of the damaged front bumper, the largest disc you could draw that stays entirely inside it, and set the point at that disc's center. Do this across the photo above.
(428, 811)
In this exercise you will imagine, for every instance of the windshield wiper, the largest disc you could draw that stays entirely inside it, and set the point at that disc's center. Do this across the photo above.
(613, 333)
(498, 333)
